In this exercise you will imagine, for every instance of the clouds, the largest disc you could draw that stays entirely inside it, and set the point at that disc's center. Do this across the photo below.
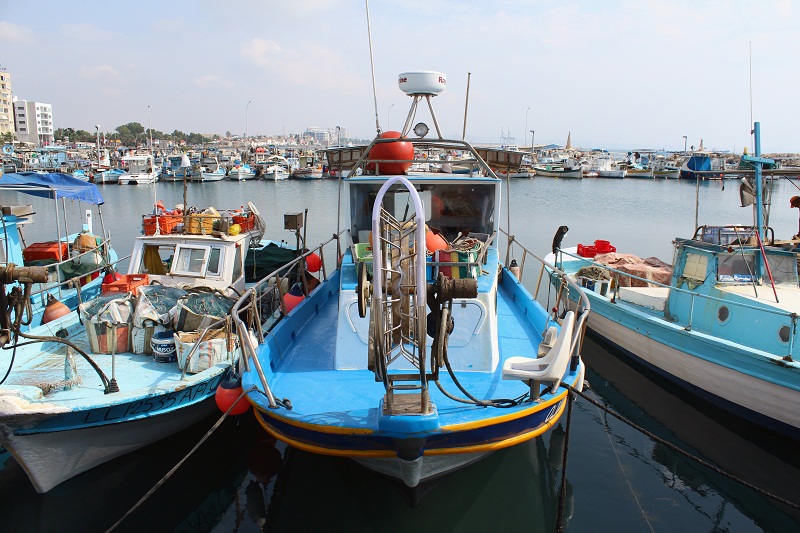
(643, 72)
(12, 33)
(262, 53)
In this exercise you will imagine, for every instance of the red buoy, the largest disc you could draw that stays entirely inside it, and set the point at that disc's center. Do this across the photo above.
(292, 298)
(401, 150)
(53, 310)
(313, 262)
(111, 276)
(228, 392)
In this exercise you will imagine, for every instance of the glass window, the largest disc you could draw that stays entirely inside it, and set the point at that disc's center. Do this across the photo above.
(214, 261)
(190, 260)
(783, 268)
(237, 263)
(735, 268)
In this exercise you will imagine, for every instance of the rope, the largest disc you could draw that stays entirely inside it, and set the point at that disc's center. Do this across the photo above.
(178, 465)
(562, 496)
(684, 453)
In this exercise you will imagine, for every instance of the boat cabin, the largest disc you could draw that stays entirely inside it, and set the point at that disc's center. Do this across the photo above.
(726, 264)
(177, 259)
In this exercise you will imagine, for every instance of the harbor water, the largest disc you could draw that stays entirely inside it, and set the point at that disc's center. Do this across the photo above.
(617, 477)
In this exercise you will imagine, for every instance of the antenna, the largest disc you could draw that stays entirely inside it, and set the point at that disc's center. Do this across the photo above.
(372, 68)
(750, 44)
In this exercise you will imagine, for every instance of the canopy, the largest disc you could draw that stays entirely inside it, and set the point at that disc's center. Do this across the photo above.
(51, 185)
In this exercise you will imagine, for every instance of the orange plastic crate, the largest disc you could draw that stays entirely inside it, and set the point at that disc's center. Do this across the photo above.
(247, 222)
(42, 251)
(166, 223)
(127, 283)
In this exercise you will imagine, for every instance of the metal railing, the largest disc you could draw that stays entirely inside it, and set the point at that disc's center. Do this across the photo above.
(693, 296)
(566, 284)
(267, 288)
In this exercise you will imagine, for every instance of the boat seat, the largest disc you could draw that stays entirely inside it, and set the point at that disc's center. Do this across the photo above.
(549, 368)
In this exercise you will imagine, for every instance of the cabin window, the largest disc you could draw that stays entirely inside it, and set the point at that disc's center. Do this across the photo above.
(783, 268)
(735, 268)
(695, 267)
(156, 259)
(214, 261)
(238, 261)
(190, 260)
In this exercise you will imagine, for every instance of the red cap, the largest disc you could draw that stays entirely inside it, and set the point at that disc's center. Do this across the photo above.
(794, 201)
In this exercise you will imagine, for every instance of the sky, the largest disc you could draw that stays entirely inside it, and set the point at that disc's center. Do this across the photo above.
(612, 74)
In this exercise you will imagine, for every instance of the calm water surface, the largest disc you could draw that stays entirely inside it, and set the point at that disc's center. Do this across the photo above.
(618, 479)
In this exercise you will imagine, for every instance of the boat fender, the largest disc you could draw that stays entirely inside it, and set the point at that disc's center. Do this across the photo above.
(228, 392)
(293, 298)
(313, 262)
(514, 269)
(54, 309)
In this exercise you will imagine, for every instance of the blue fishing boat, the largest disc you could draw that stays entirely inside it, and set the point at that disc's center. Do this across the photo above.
(721, 321)
(421, 352)
(74, 260)
(139, 362)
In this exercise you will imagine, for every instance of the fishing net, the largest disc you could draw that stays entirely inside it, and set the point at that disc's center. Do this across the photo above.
(198, 310)
(155, 302)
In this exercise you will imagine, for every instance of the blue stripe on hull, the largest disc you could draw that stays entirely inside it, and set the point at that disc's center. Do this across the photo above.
(441, 440)
(136, 409)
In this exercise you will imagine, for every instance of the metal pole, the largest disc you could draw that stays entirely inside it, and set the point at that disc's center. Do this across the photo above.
(466, 106)
(526, 127)
(388, 123)
(246, 110)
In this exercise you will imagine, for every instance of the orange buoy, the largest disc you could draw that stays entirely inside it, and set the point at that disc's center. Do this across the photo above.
(434, 241)
(228, 392)
(53, 310)
(313, 262)
(292, 298)
(398, 151)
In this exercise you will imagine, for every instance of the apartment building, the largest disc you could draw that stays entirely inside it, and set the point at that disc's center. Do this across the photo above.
(6, 109)
(34, 122)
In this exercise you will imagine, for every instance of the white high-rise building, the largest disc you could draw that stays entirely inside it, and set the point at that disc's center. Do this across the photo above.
(34, 122)
(6, 109)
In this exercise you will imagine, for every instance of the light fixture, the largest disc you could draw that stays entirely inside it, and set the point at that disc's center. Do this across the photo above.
(421, 130)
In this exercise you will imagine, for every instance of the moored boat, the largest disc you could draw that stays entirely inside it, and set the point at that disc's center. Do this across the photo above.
(241, 172)
(136, 364)
(140, 170)
(428, 362)
(719, 322)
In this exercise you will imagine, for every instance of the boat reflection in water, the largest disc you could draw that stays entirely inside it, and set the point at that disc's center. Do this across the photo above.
(241, 479)
(760, 458)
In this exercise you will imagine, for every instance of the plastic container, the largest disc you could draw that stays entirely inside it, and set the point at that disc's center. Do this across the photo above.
(165, 223)
(600, 247)
(163, 346)
(45, 251)
(126, 283)
(247, 222)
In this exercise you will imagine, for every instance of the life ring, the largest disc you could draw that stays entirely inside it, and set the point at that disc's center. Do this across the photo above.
(8, 149)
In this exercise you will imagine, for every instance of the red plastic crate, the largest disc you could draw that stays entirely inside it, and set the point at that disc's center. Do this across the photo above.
(126, 283)
(42, 251)
(166, 223)
(247, 222)
(600, 247)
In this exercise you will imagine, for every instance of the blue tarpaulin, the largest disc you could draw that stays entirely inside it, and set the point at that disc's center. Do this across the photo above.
(52, 185)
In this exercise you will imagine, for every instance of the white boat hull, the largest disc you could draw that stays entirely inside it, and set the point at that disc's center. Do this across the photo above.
(54, 457)
(715, 382)
(427, 467)
(137, 179)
